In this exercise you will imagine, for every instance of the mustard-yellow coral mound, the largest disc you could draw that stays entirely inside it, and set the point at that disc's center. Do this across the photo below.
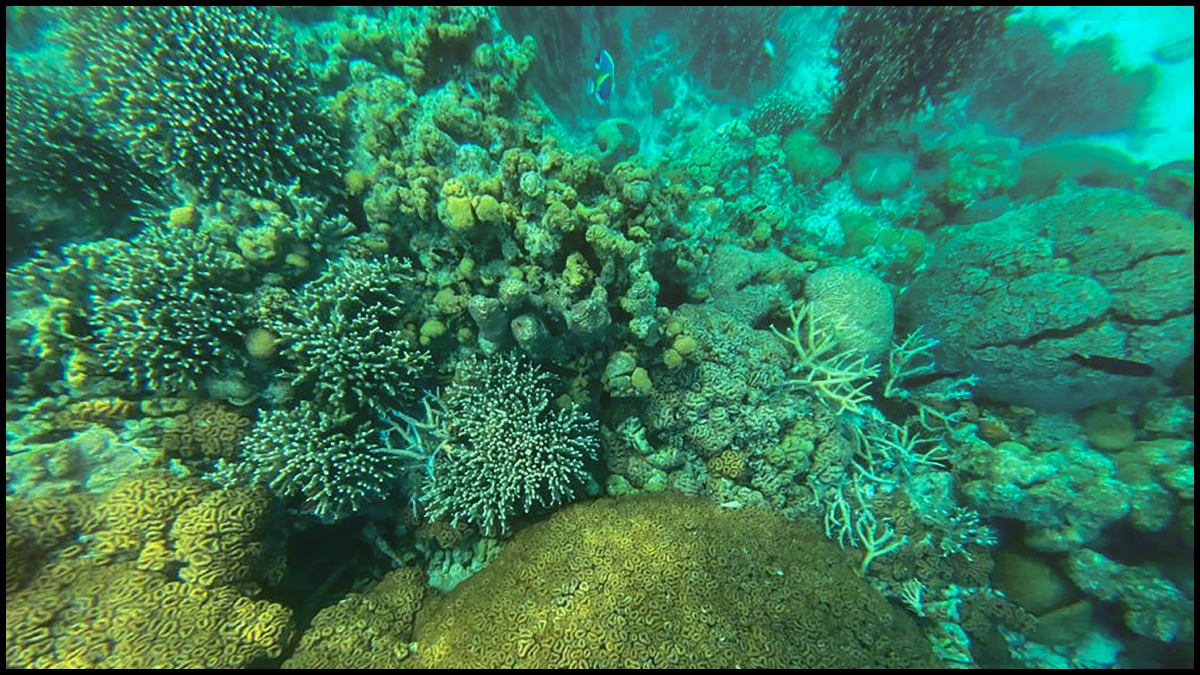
(364, 630)
(159, 572)
(661, 580)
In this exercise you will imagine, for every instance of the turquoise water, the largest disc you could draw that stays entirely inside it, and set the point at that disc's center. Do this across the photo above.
(591, 337)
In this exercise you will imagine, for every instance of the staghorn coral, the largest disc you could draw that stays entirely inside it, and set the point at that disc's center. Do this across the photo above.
(165, 309)
(891, 60)
(60, 169)
(498, 446)
(666, 581)
(1027, 300)
(343, 334)
(839, 375)
(308, 453)
(209, 95)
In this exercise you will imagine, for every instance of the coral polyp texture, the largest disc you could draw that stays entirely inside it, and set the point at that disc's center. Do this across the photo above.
(157, 572)
(205, 94)
(668, 581)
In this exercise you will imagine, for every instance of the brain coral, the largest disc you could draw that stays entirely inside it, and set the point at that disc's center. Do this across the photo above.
(1027, 301)
(856, 306)
(662, 580)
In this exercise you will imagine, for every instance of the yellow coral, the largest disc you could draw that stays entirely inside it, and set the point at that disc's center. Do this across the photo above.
(183, 216)
(730, 464)
(456, 214)
(568, 593)
(259, 245)
(261, 343)
(577, 273)
(132, 612)
(489, 210)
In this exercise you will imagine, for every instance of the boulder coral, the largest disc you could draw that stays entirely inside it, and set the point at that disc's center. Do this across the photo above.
(667, 581)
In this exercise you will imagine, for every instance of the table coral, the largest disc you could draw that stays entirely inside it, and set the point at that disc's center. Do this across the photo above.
(1026, 301)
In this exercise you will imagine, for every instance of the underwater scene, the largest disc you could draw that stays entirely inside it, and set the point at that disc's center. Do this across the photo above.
(599, 337)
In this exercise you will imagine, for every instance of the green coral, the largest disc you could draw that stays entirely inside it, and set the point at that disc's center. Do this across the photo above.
(331, 468)
(343, 333)
(1066, 498)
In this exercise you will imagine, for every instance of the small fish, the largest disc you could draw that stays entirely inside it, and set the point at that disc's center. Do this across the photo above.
(1113, 366)
(769, 48)
(600, 86)
(1176, 52)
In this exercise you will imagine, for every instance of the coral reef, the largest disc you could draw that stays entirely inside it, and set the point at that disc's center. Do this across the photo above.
(960, 366)
(1153, 606)
(364, 630)
(59, 170)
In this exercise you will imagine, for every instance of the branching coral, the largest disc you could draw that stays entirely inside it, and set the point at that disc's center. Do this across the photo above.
(840, 376)
(892, 60)
(57, 165)
(304, 453)
(208, 94)
(165, 309)
(497, 446)
(343, 334)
